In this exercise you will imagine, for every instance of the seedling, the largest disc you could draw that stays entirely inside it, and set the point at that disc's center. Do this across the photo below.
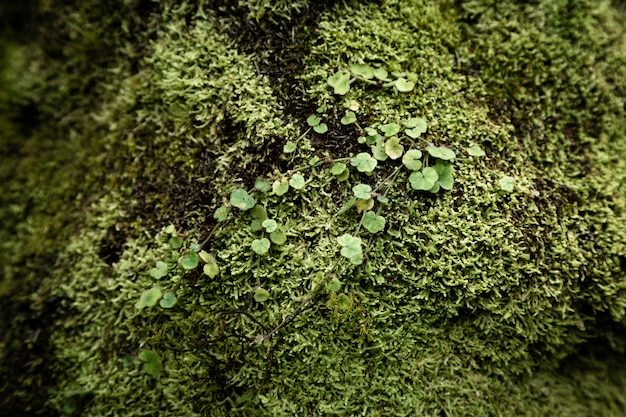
(289, 147)
(444, 171)
(211, 269)
(270, 225)
(362, 191)
(475, 151)
(507, 183)
(189, 260)
(403, 85)
(381, 74)
(313, 120)
(364, 162)
(262, 186)
(278, 237)
(152, 362)
(393, 149)
(343, 302)
(362, 70)
(416, 126)
(351, 248)
(175, 242)
(340, 82)
(338, 168)
(261, 295)
(159, 271)
(424, 180)
(297, 181)
(333, 285)
(148, 298)
(378, 150)
(373, 222)
(221, 214)
(260, 246)
(168, 300)
(349, 118)
(241, 199)
(441, 152)
(390, 129)
(280, 187)
(412, 159)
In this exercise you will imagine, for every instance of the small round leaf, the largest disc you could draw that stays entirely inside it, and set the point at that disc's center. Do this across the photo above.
(261, 295)
(260, 246)
(168, 300)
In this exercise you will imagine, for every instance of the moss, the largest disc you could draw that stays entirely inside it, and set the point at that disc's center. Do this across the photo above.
(477, 301)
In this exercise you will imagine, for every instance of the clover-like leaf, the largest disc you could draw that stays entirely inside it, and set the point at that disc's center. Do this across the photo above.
(258, 212)
(475, 151)
(189, 260)
(445, 173)
(507, 183)
(372, 222)
(148, 298)
(321, 128)
(343, 302)
(349, 118)
(378, 150)
(289, 147)
(340, 82)
(338, 168)
(241, 199)
(403, 85)
(262, 186)
(278, 237)
(260, 246)
(351, 248)
(393, 148)
(390, 129)
(364, 162)
(211, 269)
(152, 362)
(362, 191)
(175, 242)
(313, 120)
(362, 70)
(441, 152)
(381, 74)
(168, 300)
(270, 225)
(221, 214)
(416, 126)
(297, 181)
(412, 159)
(280, 187)
(261, 295)
(424, 180)
(334, 285)
(159, 271)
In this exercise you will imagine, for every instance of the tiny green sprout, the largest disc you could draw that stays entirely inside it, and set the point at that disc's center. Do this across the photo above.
(340, 82)
(261, 295)
(475, 151)
(255, 225)
(424, 180)
(441, 152)
(270, 225)
(382, 199)
(364, 205)
(378, 150)
(507, 183)
(372, 222)
(148, 298)
(390, 129)
(338, 168)
(168, 300)
(258, 212)
(333, 285)
(278, 237)
(343, 302)
(159, 271)
(321, 109)
(364, 162)
(362, 70)
(152, 362)
(280, 187)
(313, 120)
(351, 248)
(412, 159)
(349, 118)
(262, 186)
(221, 214)
(170, 229)
(189, 260)
(211, 269)
(289, 147)
(403, 86)
(241, 199)
(313, 161)
(297, 181)
(362, 191)
(321, 128)
(381, 74)
(175, 242)
(195, 247)
(415, 127)
(445, 173)
(260, 246)
(393, 148)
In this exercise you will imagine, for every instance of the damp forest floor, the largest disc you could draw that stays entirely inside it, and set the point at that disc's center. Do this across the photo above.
(279, 208)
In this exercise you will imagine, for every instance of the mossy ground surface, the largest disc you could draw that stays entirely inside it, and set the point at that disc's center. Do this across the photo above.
(126, 126)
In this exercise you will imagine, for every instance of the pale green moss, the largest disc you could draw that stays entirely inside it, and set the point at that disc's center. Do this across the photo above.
(473, 302)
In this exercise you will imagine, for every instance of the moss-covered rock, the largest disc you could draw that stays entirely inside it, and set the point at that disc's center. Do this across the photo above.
(311, 208)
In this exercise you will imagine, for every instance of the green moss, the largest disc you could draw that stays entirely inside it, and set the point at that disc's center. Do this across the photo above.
(474, 301)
